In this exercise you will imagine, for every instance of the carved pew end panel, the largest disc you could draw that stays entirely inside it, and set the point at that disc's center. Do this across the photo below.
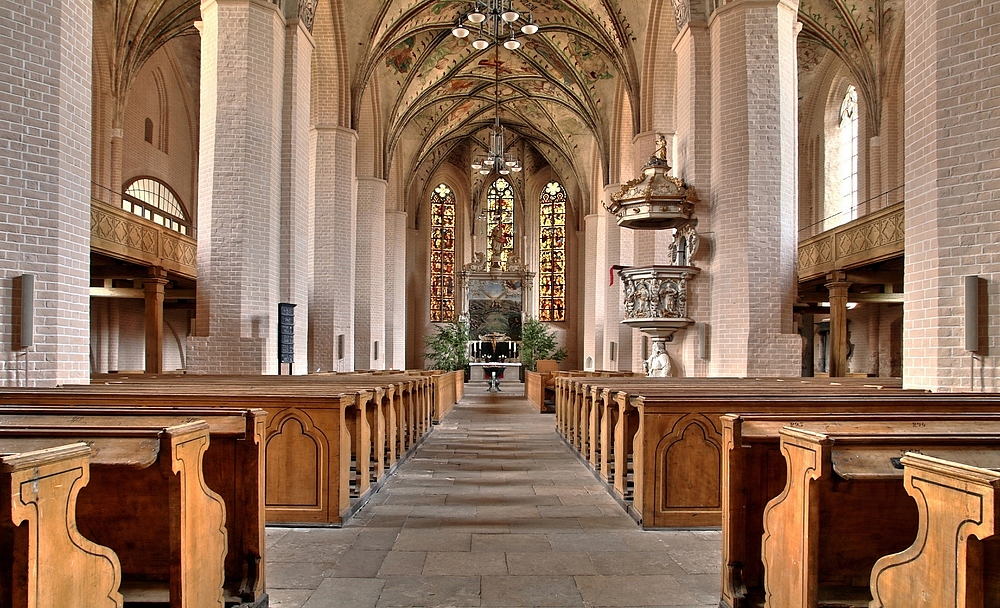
(687, 474)
(296, 454)
(955, 559)
(51, 563)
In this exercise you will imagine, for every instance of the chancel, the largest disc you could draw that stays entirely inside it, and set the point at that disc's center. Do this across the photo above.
(398, 302)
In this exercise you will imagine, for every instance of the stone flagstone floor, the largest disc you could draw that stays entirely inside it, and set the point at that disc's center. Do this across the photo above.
(492, 510)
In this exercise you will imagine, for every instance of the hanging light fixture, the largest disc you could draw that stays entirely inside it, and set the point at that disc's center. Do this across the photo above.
(497, 159)
(494, 22)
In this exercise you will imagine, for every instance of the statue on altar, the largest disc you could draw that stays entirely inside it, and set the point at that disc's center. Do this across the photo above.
(658, 363)
(498, 240)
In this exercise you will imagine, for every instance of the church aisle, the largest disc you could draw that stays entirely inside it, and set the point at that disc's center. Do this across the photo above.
(493, 510)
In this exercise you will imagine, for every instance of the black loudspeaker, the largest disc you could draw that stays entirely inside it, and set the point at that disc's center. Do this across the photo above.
(27, 310)
(972, 313)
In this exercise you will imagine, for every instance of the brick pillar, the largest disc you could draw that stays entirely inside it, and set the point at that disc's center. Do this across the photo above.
(838, 287)
(369, 294)
(44, 187)
(952, 193)
(296, 205)
(331, 304)
(615, 242)
(753, 189)
(593, 290)
(239, 188)
(154, 285)
(693, 47)
(395, 290)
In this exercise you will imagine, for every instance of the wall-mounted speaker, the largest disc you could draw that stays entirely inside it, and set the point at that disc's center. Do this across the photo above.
(702, 340)
(27, 310)
(972, 313)
(340, 346)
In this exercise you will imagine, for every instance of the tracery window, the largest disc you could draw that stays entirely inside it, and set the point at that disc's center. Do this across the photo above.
(442, 254)
(849, 156)
(153, 200)
(552, 253)
(500, 223)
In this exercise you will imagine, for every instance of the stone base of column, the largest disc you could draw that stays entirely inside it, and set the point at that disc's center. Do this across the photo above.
(232, 355)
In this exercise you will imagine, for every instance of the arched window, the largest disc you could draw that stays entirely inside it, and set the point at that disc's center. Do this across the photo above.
(154, 200)
(552, 253)
(849, 156)
(442, 254)
(500, 223)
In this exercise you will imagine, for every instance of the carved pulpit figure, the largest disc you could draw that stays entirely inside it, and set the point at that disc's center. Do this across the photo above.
(658, 363)
(661, 147)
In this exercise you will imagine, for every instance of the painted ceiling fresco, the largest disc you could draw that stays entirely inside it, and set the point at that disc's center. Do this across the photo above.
(859, 33)
(439, 95)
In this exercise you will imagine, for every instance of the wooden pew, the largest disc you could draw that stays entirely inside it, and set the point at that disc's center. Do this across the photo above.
(955, 560)
(667, 436)
(755, 472)
(147, 500)
(844, 506)
(46, 562)
(316, 427)
(233, 467)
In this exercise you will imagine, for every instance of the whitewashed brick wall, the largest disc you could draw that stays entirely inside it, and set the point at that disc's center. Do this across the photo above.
(694, 166)
(296, 203)
(395, 289)
(952, 192)
(331, 303)
(242, 85)
(369, 300)
(753, 190)
(45, 102)
(593, 331)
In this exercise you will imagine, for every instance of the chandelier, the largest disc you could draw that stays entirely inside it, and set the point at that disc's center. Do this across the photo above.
(494, 22)
(497, 159)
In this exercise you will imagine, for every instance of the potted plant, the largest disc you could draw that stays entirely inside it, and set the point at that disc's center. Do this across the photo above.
(447, 348)
(537, 343)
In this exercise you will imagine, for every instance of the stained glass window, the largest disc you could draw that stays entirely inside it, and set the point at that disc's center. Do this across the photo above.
(442, 254)
(500, 226)
(849, 156)
(552, 253)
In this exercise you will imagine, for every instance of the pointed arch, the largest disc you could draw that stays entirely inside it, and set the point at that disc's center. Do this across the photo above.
(552, 253)
(500, 220)
(443, 228)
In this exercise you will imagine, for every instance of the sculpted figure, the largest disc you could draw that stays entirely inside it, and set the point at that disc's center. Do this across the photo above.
(658, 363)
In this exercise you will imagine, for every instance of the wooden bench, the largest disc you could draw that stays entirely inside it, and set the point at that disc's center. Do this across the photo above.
(148, 501)
(953, 563)
(755, 473)
(618, 419)
(844, 506)
(233, 467)
(323, 435)
(46, 561)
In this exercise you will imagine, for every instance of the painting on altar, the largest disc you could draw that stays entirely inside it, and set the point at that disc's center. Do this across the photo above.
(495, 307)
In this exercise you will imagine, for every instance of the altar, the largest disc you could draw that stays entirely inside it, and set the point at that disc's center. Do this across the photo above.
(493, 299)
(510, 371)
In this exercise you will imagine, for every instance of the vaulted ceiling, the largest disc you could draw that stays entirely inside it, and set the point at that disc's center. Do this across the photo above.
(437, 94)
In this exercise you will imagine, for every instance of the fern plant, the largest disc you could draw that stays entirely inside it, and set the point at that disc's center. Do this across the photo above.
(538, 343)
(447, 348)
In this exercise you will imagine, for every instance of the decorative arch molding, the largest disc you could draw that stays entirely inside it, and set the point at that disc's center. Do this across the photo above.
(331, 81)
(684, 457)
(161, 133)
(295, 445)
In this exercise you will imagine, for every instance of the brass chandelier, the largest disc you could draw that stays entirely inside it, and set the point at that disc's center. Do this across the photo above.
(494, 22)
(497, 158)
